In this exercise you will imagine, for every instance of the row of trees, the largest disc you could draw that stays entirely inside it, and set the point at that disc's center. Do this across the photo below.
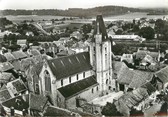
(77, 12)
(160, 29)
(41, 38)
(4, 22)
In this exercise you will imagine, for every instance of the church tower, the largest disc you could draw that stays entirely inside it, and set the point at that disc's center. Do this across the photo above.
(101, 56)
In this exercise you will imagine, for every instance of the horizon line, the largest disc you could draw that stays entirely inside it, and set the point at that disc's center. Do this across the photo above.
(87, 8)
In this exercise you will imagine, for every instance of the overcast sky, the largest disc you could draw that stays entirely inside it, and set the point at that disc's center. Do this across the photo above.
(65, 4)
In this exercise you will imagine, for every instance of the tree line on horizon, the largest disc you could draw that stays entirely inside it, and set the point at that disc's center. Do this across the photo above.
(77, 12)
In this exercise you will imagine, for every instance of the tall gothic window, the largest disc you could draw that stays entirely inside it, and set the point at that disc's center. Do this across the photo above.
(47, 81)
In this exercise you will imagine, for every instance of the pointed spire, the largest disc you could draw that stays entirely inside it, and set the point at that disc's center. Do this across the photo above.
(100, 27)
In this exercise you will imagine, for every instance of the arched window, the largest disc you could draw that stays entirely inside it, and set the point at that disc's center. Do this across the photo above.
(37, 91)
(107, 81)
(47, 81)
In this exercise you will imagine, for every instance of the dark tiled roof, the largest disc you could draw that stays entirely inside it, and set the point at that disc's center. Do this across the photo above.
(56, 111)
(6, 66)
(17, 102)
(150, 88)
(70, 65)
(19, 54)
(37, 102)
(163, 74)
(4, 95)
(19, 85)
(102, 28)
(77, 87)
(2, 58)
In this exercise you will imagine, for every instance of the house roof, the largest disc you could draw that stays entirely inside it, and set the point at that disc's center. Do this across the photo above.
(2, 58)
(117, 66)
(25, 63)
(34, 52)
(76, 87)
(21, 42)
(140, 54)
(134, 78)
(5, 66)
(17, 65)
(63, 53)
(37, 102)
(19, 85)
(56, 111)
(125, 37)
(5, 77)
(100, 26)
(140, 78)
(154, 54)
(67, 66)
(19, 54)
(4, 95)
(19, 103)
(163, 74)
(131, 99)
(125, 76)
(9, 56)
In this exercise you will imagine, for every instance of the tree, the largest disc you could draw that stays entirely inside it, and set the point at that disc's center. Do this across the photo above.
(86, 28)
(147, 32)
(159, 24)
(119, 32)
(35, 43)
(135, 28)
(110, 110)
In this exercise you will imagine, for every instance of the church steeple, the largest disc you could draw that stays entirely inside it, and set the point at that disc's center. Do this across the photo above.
(99, 27)
(100, 56)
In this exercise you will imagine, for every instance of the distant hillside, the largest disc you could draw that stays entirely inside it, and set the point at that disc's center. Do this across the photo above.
(76, 12)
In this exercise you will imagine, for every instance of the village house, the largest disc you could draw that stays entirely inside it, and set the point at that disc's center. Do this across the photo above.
(5, 94)
(127, 57)
(28, 104)
(22, 43)
(29, 33)
(65, 79)
(76, 35)
(162, 78)
(127, 38)
(16, 87)
(129, 79)
(134, 99)
(5, 77)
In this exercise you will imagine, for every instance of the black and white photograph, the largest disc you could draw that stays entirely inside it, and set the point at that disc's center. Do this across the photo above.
(84, 58)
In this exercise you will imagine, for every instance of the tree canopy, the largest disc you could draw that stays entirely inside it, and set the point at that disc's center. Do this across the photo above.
(147, 32)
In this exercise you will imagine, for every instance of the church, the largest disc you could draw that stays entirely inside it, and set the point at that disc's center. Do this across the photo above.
(85, 75)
